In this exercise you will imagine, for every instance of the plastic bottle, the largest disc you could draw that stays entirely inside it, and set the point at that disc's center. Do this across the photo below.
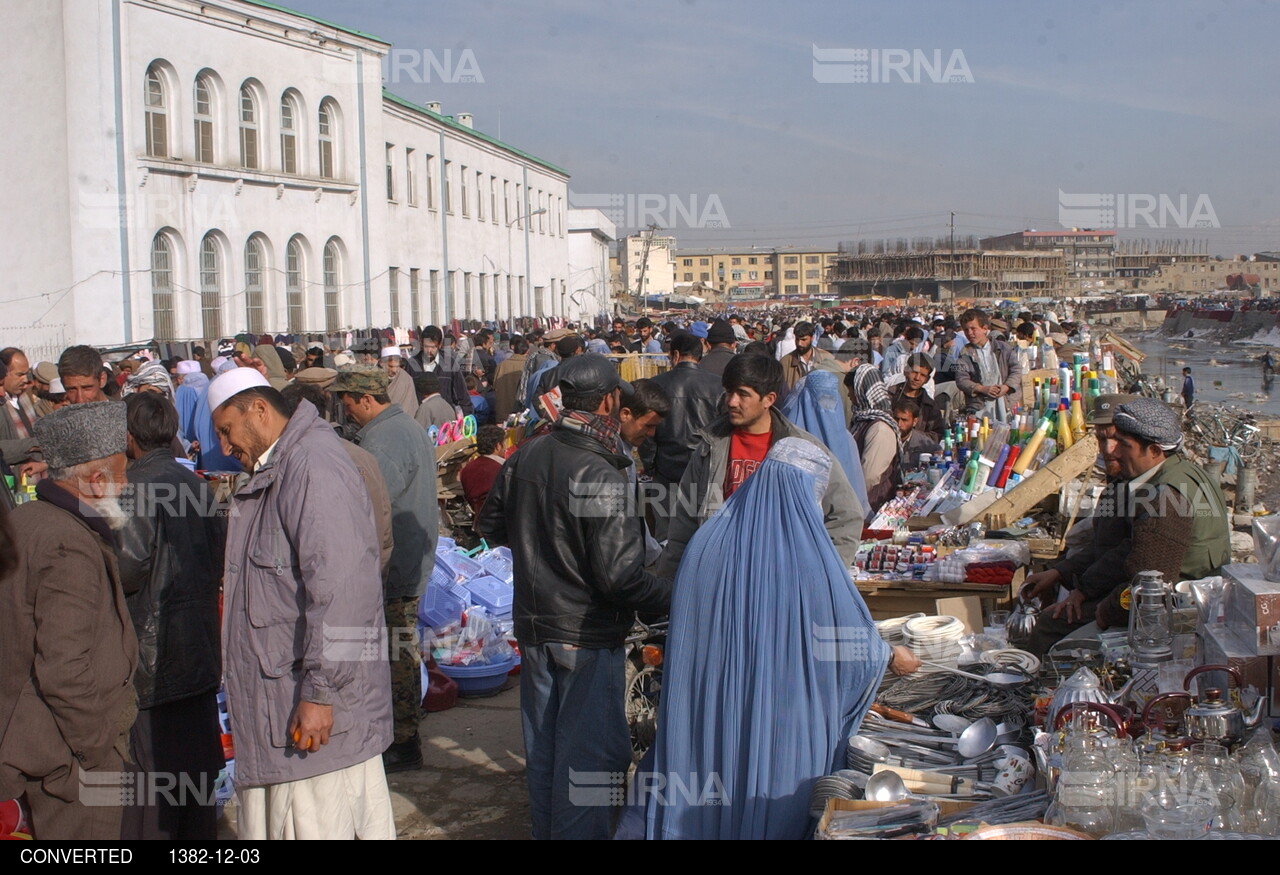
(1077, 417)
(971, 474)
(1007, 468)
(1064, 426)
(1033, 444)
(998, 468)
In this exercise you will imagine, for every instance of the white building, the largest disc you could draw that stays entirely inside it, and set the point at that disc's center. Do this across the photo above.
(590, 235)
(196, 169)
(659, 266)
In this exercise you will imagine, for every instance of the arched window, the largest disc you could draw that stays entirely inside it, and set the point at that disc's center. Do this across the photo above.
(210, 288)
(156, 103)
(248, 129)
(162, 265)
(332, 272)
(293, 282)
(289, 134)
(255, 261)
(328, 140)
(204, 119)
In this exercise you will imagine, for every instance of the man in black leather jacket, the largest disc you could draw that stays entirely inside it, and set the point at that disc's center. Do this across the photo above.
(695, 403)
(560, 503)
(170, 556)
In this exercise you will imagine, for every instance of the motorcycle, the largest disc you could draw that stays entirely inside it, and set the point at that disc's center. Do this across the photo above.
(645, 647)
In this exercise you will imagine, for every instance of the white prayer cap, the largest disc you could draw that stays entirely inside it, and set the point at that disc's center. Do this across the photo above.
(188, 367)
(234, 382)
(390, 351)
(56, 387)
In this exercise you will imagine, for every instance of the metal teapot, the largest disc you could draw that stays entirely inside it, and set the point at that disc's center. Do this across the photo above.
(1210, 718)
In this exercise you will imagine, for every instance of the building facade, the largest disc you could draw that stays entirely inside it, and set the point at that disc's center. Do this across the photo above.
(1089, 254)
(591, 290)
(207, 168)
(760, 272)
(651, 255)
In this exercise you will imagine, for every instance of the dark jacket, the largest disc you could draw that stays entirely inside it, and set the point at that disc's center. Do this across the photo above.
(578, 552)
(717, 359)
(695, 401)
(450, 369)
(930, 416)
(170, 555)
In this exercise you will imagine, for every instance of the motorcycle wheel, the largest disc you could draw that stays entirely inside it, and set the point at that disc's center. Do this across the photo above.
(643, 684)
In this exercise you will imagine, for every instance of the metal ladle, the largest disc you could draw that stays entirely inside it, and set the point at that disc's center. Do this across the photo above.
(886, 787)
(977, 739)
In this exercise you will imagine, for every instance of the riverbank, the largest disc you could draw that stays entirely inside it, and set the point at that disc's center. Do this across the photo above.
(1225, 325)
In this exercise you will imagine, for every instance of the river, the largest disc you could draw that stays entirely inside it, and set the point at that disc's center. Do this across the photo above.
(1235, 379)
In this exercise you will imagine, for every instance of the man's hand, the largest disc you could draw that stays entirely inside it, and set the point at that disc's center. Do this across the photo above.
(1071, 605)
(27, 469)
(904, 661)
(1042, 585)
(256, 363)
(310, 726)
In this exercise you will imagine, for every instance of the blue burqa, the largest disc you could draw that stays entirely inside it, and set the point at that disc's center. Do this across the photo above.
(195, 423)
(772, 662)
(815, 405)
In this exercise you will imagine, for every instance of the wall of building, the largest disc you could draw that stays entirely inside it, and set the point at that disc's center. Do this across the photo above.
(78, 267)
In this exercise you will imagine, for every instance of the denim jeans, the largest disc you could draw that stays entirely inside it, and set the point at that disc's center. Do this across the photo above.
(576, 741)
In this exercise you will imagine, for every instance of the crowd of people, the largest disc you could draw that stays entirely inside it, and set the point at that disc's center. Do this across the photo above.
(316, 522)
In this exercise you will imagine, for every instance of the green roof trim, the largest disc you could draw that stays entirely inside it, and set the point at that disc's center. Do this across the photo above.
(351, 30)
(449, 121)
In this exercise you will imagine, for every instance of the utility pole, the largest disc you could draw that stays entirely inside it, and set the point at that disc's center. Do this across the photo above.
(644, 266)
(951, 289)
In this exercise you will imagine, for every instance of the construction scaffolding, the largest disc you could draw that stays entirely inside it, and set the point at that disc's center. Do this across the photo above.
(964, 272)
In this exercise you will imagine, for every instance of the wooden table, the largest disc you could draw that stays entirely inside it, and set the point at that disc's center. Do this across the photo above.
(887, 599)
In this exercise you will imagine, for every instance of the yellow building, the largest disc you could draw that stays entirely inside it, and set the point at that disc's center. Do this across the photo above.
(757, 272)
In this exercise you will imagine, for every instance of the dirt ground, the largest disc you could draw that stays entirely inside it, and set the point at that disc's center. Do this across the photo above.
(471, 785)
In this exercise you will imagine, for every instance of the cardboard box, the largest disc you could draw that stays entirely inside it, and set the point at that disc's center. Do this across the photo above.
(946, 807)
(1253, 607)
(1218, 645)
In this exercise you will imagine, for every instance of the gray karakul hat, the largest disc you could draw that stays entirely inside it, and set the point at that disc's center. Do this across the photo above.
(82, 433)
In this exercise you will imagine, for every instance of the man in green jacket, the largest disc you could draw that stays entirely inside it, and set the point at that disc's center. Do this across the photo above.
(1179, 515)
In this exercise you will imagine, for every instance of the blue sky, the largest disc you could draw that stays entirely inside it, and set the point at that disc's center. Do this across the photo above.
(710, 98)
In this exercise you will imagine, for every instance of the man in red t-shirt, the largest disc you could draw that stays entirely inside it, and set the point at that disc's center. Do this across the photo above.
(733, 447)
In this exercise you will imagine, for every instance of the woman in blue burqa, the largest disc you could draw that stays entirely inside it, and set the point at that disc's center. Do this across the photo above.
(772, 662)
(816, 406)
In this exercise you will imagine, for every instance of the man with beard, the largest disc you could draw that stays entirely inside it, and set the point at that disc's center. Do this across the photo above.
(308, 687)
(69, 649)
(1094, 563)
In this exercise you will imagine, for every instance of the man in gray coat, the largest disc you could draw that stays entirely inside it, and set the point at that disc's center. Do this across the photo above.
(303, 638)
(408, 464)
